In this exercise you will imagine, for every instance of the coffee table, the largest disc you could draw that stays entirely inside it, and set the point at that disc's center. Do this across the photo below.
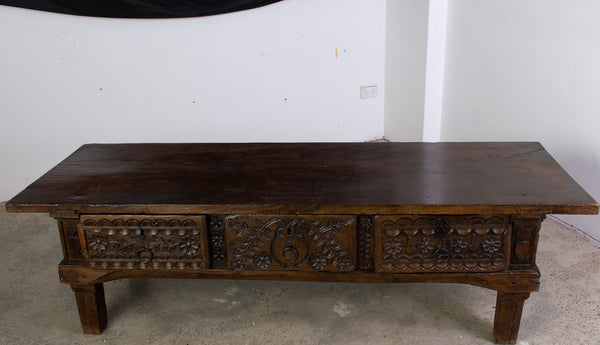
(346, 212)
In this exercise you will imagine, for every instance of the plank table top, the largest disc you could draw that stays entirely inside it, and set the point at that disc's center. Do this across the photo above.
(328, 177)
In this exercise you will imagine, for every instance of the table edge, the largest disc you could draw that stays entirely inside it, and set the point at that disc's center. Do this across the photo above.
(584, 209)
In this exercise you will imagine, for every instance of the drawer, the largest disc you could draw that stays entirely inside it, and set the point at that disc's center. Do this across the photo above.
(144, 242)
(407, 244)
(284, 243)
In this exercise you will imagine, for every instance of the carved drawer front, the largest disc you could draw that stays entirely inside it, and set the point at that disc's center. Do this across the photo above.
(407, 244)
(302, 243)
(144, 242)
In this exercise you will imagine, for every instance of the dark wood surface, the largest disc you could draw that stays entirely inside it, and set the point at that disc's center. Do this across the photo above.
(328, 178)
(382, 212)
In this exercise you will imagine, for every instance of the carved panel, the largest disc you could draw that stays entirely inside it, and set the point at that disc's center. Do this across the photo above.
(441, 243)
(218, 251)
(525, 233)
(144, 242)
(303, 243)
(365, 243)
(70, 238)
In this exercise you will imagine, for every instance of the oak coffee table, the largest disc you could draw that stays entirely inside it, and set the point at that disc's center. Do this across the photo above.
(371, 212)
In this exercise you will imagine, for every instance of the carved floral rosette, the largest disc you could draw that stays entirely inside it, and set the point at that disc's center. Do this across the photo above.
(218, 251)
(441, 243)
(304, 243)
(144, 242)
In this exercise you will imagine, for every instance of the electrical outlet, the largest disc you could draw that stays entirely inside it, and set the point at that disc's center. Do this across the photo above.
(368, 91)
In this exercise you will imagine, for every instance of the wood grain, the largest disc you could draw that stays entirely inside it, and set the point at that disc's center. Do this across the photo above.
(328, 178)
(508, 281)
(509, 308)
(92, 307)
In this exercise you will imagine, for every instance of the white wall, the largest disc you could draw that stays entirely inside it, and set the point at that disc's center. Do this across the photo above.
(267, 74)
(528, 70)
(405, 56)
(434, 70)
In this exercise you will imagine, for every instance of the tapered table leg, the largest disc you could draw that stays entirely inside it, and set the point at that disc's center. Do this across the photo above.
(509, 307)
(92, 307)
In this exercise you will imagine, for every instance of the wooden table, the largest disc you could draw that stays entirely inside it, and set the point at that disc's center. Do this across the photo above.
(378, 212)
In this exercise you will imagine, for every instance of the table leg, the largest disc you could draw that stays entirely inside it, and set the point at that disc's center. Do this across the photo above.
(509, 307)
(92, 307)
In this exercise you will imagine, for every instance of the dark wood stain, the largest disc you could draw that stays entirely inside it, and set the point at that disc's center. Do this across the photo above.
(465, 213)
(388, 178)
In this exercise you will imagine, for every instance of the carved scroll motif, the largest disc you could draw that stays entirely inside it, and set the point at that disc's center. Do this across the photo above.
(291, 243)
(442, 244)
(144, 242)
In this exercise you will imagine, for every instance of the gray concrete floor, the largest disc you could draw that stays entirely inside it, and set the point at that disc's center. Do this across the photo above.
(35, 308)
